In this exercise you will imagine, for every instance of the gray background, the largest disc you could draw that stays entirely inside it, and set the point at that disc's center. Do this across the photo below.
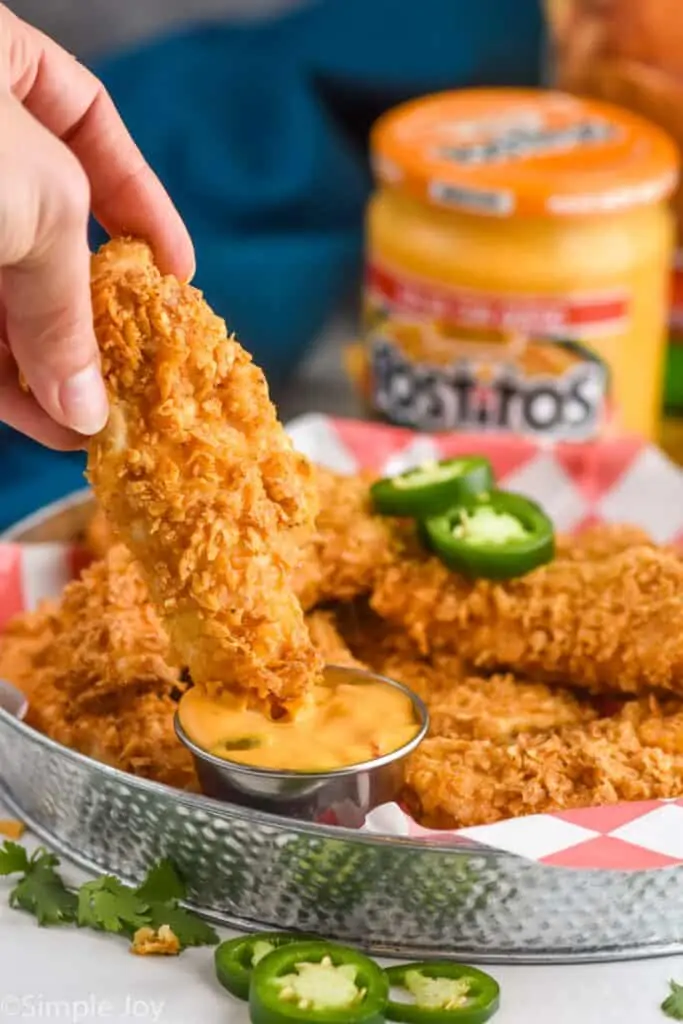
(90, 26)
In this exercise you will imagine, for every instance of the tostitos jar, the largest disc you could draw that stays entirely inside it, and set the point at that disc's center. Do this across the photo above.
(518, 248)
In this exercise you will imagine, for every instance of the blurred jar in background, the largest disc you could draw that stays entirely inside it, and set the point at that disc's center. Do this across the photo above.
(518, 253)
(630, 52)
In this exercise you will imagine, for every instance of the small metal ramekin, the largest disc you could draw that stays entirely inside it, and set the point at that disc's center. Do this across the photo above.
(342, 796)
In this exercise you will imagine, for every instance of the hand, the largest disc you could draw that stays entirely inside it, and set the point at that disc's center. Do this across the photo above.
(64, 151)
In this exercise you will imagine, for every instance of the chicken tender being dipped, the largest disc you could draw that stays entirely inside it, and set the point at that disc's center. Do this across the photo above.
(201, 483)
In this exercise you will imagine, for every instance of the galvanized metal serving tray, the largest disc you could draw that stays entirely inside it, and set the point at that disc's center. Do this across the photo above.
(252, 870)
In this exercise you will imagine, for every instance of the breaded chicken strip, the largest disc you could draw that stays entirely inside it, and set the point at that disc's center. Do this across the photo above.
(601, 541)
(201, 483)
(349, 544)
(327, 639)
(338, 561)
(457, 783)
(108, 636)
(25, 645)
(98, 536)
(98, 673)
(460, 702)
(658, 723)
(373, 640)
(609, 625)
(500, 707)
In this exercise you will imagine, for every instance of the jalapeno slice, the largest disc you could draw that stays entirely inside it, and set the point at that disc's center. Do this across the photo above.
(432, 487)
(497, 536)
(442, 993)
(318, 982)
(235, 959)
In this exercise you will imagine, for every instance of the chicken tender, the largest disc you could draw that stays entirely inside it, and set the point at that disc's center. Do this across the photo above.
(460, 702)
(327, 639)
(376, 642)
(99, 675)
(201, 483)
(608, 625)
(25, 645)
(601, 541)
(658, 723)
(500, 707)
(349, 545)
(458, 783)
(99, 536)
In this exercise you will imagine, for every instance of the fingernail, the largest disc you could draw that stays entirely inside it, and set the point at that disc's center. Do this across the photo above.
(84, 401)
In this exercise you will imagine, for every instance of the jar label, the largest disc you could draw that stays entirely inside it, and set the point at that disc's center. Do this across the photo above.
(457, 359)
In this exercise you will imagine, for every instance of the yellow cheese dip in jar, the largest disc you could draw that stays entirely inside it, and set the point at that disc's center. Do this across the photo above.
(518, 253)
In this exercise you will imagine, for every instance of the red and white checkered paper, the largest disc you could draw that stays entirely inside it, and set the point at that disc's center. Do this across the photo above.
(614, 480)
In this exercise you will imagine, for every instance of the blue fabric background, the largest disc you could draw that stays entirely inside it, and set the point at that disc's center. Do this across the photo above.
(259, 132)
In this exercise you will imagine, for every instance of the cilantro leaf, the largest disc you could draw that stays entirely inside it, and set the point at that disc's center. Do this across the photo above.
(673, 1004)
(189, 929)
(13, 858)
(42, 892)
(108, 905)
(162, 884)
(42, 858)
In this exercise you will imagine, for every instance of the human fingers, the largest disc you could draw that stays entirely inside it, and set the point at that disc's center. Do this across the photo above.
(20, 410)
(44, 208)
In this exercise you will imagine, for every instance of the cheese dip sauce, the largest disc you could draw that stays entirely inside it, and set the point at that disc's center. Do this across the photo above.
(343, 724)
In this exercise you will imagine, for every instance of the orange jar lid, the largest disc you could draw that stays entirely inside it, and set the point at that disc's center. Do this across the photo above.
(501, 152)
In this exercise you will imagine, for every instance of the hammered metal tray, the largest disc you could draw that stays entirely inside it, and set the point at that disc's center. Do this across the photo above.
(392, 896)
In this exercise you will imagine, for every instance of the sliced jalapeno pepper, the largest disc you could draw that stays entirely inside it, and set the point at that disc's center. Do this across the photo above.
(318, 982)
(432, 487)
(235, 959)
(495, 536)
(442, 993)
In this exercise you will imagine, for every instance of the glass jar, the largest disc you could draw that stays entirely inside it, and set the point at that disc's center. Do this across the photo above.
(518, 246)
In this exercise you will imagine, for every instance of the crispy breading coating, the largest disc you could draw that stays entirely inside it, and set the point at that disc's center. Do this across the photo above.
(25, 644)
(500, 707)
(609, 625)
(458, 783)
(376, 642)
(201, 482)
(327, 639)
(658, 723)
(602, 540)
(99, 535)
(349, 544)
(12, 829)
(151, 942)
(98, 673)
(107, 634)
(460, 702)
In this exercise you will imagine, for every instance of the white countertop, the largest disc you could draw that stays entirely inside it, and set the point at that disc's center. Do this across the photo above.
(69, 975)
(80, 977)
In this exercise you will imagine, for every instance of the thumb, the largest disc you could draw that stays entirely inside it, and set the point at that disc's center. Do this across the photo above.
(46, 271)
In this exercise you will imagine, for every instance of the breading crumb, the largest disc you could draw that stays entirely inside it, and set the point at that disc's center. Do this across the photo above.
(11, 829)
(162, 942)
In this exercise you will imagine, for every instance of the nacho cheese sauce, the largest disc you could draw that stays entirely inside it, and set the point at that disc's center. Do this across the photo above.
(344, 724)
(517, 254)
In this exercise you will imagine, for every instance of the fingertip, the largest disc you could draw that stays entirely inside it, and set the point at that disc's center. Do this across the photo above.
(21, 412)
(177, 255)
(83, 401)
